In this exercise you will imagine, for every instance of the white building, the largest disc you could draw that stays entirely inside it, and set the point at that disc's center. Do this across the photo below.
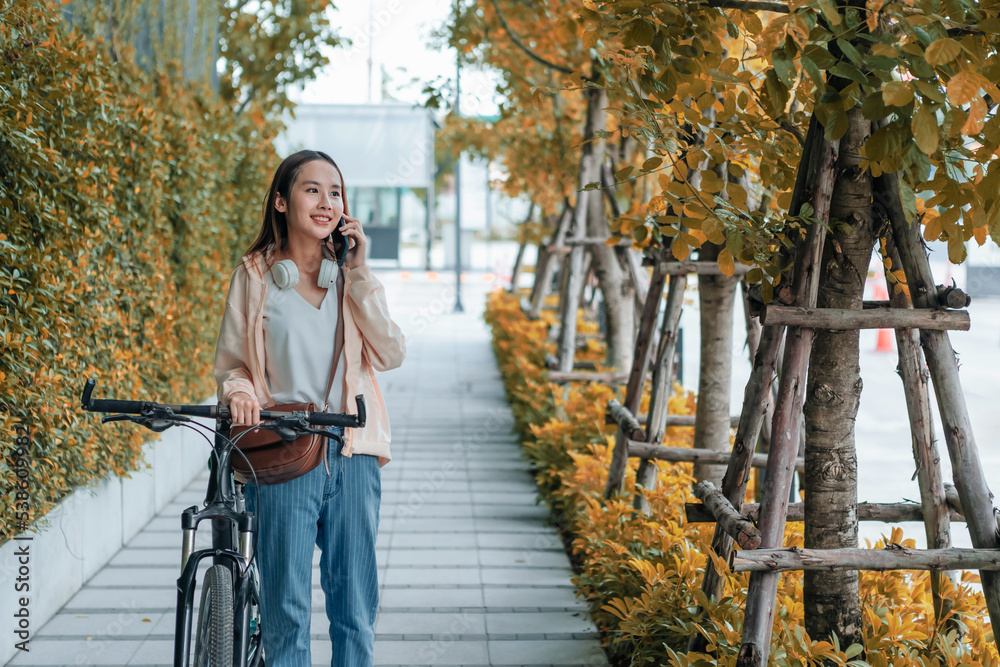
(386, 153)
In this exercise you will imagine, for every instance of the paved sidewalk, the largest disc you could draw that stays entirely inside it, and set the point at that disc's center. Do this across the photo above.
(470, 572)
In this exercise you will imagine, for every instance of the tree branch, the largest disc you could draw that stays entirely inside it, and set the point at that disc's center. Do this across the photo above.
(791, 129)
(748, 6)
(534, 56)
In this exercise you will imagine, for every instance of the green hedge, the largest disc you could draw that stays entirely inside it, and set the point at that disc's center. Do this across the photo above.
(126, 198)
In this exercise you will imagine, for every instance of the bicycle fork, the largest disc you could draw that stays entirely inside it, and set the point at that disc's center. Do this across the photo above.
(237, 562)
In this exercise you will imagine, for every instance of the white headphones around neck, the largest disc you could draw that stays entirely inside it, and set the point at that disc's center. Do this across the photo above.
(286, 274)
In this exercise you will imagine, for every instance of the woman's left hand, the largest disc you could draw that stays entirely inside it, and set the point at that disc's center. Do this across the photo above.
(352, 231)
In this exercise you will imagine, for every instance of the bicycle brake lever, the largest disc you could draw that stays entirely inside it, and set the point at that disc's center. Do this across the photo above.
(319, 431)
(285, 433)
(117, 418)
(157, 425)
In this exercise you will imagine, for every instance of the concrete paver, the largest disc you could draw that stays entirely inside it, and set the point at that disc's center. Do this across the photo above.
(470, 572)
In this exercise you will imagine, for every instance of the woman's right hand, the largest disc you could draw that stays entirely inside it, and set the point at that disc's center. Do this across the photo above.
(244, 410)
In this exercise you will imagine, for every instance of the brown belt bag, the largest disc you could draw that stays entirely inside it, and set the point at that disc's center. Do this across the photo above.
(275, 460)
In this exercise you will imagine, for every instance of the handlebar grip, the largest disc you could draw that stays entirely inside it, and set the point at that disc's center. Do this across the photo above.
(350, 421)
(105, 405)
(329, 419)
(88, 389)
(362, 413)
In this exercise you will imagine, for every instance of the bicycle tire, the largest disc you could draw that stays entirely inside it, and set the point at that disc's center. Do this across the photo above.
(214, 639)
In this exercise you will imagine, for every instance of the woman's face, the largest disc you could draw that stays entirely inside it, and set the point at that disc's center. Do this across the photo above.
(315, 203)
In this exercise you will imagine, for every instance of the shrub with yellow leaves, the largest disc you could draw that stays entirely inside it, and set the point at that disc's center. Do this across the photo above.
(641, 574)
(127, 197)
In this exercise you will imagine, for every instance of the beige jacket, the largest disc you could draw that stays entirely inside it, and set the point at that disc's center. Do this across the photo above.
(372, 342)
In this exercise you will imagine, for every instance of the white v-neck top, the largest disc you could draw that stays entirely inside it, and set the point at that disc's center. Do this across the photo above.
(299, 343)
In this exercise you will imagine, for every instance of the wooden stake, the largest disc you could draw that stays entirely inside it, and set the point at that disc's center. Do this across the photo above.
(970, 479)
(567, 333)
(893, 558)
(545, 268)
(757, 413)
(644, 338)
(589, 240)
(626, 421)
(515, 273)
(632, 259)
(685, 420)
(646, 450)
(884, 512)
(607, 377)
(663, 373)
(759, 616)
(876, 318)
(757, 405)
(738, 527)
(663, 376)
(702, 269)
(916, 392)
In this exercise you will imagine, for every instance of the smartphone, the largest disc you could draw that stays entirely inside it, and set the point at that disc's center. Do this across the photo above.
(340, 242)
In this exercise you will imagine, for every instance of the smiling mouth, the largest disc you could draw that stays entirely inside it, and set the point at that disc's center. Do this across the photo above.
(322, 218)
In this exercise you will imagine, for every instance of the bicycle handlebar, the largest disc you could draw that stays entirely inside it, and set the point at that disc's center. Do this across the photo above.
(217, 411)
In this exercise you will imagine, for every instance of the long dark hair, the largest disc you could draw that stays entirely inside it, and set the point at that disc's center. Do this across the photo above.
(273, 234)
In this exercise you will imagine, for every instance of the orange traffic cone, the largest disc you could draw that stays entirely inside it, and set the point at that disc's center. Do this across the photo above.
(884, 341)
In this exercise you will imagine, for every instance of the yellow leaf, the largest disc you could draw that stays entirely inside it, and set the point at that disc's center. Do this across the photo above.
(897, 93)
(942, 51)
(726, 264)
(694, 211)
(962, 88)
(736, 194)
(710, 181)
(925, 130)
(695, 237)
(679, 248)
(932, 226)
(977, 117)
(873, 7)
(678, 189)
(752, 23)
(956, 250)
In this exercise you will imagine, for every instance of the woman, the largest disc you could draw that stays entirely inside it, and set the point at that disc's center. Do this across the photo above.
(314, 339)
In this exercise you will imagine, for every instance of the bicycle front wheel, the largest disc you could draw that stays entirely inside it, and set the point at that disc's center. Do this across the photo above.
(214, 639)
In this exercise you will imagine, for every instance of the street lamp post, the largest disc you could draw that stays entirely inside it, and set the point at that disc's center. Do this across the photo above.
(458, 185)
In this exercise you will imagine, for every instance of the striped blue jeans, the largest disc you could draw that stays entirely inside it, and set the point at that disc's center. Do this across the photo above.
(336, 507)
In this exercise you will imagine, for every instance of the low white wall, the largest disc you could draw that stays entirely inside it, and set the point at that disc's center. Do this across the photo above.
(89, 527)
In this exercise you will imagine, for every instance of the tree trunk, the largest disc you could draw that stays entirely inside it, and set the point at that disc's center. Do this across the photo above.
(717, 298)
(833, 392)
(615, 283)
(591, 156)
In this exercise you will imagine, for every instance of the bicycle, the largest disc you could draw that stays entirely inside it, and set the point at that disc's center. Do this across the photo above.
(228, 631)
